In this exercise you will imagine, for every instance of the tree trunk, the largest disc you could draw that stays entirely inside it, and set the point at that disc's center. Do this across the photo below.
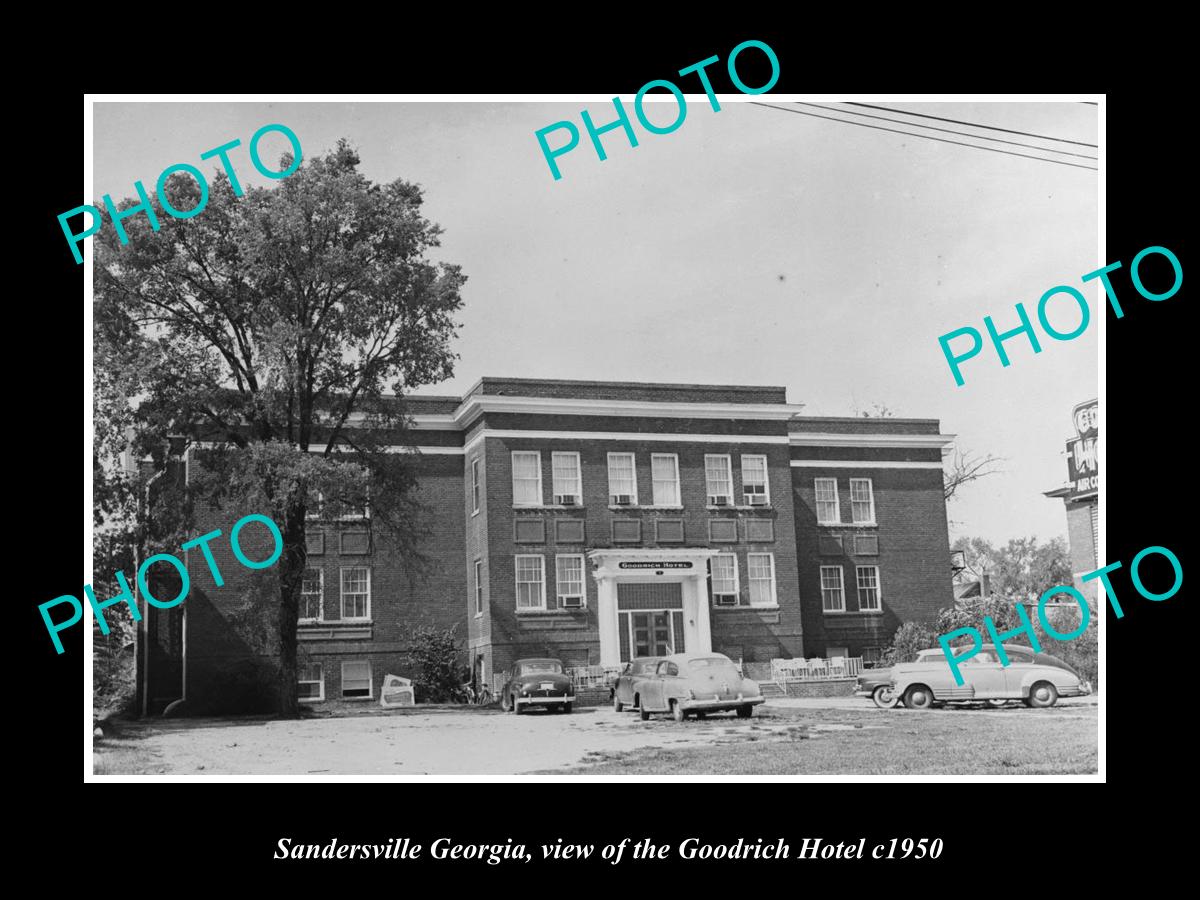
(291, 578)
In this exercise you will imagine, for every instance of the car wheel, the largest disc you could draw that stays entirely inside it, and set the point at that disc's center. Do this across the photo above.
(996, 702)
(678, 713)
(617, 704)
(745, 712)
(517, 707)
(506, 703)
(918, 697)
(884, 697)
(1042, 695)
(566, 708)
(642, 711)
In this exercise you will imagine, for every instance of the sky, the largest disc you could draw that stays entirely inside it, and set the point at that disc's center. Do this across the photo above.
(749, 246)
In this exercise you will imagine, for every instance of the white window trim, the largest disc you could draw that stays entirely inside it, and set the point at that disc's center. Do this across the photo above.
(633, 471)
(342, 595)
(370, 679)
(870, 497)
(541, 497)
(878, 590)
(729, 465)
(841, 585)
(837, 503)
(318, 699)
(320, 598)
(475, 486)
(774, 601)
(578, 493)
(737, 584)
(766, 475)
(678, 504)
(582, 580)
(478, 588)
(517, 580)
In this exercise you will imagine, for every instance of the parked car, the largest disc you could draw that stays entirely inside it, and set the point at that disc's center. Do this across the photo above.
(876, 683)
(635, 669)
(1029, 677)
(684, 684)
(537, 682)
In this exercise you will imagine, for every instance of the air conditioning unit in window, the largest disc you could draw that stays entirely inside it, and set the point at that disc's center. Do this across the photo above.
(718, 501)
(726, 599)
(756, 499)
(564, 499)
(622, 499)
(571, 602)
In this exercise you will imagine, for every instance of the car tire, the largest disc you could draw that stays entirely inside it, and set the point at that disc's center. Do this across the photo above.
(745, 712)
(566, 708)
(517, 707)
(884, 697)
(506, 703)
(918, 697)
(996, 702)
(1042, 695)
(617, 704)
(642, 711)
(678, 713)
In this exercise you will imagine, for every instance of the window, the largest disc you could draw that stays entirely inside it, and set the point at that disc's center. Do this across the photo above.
(569, 571)
(312, 595)
(862, 501)
(475, 485)
(356, 679)
(828, 511)
(531, 582)
(356, 592)
(833, 597)
(479, 587)
(568, 484)
(754, 480)
(868, 589)
(761, 569)
(664, 472)
(527, 478)
(724, 580)
(311, 683)
(718, 475)
(622, 480)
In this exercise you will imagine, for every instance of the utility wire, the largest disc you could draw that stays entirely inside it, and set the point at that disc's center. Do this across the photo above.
(928, 137)
(973, 124)
(978, 137)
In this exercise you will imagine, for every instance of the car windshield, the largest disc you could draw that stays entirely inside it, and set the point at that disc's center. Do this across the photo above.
(646, 666)
(711, 662)
(541, 667)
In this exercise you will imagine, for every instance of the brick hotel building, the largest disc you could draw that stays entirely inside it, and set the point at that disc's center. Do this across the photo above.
(595, 521)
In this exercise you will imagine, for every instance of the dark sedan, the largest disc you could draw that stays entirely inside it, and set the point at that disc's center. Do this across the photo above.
(537, 682)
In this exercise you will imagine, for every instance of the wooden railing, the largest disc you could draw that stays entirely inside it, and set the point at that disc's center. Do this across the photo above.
(815, 669)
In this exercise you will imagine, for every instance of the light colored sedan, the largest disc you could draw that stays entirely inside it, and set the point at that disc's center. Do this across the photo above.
(634, 671)
(1035, 679)
(696, 684)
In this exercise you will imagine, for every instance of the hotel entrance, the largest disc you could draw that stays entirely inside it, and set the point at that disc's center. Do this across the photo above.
(650, 617)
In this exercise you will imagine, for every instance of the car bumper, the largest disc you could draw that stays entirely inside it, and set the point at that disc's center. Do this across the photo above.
(717, 705)
(1082, 691)
(869, 691)
(545, 700)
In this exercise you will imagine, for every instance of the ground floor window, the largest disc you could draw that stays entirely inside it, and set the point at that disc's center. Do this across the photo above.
(833, 597)
(356, 679)
(311, 683)
(868, 588)
(761, 567)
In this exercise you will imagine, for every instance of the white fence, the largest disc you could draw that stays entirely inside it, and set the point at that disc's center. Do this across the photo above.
(816, 669)
(581, 677)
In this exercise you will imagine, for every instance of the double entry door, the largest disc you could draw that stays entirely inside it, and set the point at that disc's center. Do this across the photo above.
(654, 632)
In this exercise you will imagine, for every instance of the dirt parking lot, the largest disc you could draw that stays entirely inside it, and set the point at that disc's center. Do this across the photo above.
(845, 736)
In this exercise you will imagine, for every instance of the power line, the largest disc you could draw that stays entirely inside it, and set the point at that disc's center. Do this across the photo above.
(946, 130)
(928, 137)
(973, 124)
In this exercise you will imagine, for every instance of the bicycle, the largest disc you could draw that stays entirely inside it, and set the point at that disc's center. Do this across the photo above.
(480, 697)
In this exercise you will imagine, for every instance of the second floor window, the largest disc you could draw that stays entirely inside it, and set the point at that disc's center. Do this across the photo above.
(622, 480)
(868, 589)
(754, 480)
(531, 582)
(761, 569)
(356, 592)
(828, 512)
(568, 484)
(833, 597)
(718, 476)
(312, 595)
(664, 472)
(862, 501)
(475, 485)
(527, 478)
(569, 574)
(724, 580)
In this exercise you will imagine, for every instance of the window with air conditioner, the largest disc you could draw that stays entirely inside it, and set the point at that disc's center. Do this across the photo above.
(754, 480)
(569, 575)
(622, 479)
(718, 478)
(723, 579)
(568, 483)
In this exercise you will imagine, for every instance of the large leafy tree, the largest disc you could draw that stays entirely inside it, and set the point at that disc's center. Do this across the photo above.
(282, 329)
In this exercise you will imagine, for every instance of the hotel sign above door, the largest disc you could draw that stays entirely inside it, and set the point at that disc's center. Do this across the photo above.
(649, 564)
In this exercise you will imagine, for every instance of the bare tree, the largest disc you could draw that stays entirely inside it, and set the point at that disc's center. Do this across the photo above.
(966, 467)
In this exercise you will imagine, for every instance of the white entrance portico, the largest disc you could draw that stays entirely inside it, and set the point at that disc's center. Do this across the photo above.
(651, 602)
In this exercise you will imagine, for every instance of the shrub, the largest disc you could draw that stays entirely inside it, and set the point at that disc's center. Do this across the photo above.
(909, 638)
(437, 666)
